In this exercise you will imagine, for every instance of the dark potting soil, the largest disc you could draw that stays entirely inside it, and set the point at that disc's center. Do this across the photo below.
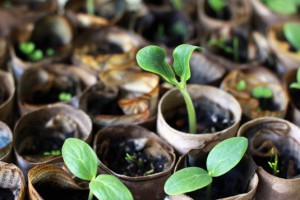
(50, 191)
(3, 95)
(210, 116)
(295, 96)
(6, 194)
(224, 14)
(141, 165)
(268, 104)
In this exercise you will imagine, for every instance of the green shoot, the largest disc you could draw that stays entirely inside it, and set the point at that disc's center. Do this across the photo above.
(64, 96)
(217, 6)
(26, 47)
(241, 85)
(90, 7)
(296, 85)
(286, 7)
(159, 35)
(36, 55)
(274, 165)
(153, 59)
(82, 161)
(221, 159)
(134, 159)
(50, 52)
(179, 28)
(53, 153)
(291, 32)
(262, 92)
(177, 4)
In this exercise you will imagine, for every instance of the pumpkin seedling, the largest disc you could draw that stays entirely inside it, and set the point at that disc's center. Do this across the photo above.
(262, 92)
(274, 165)
(153, 59)
(217, 6)
(64, 96)
(221, 43)
(82, 161)
(221, 159)
(241, 85)
(286, 7)
(296, 85)
(291, 32)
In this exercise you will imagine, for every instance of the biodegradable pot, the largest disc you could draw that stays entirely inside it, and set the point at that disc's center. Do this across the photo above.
(41, 86)
(7, 92)
(239, 15)
(264, 17)
(183, 142)
(107, 13)
(294, 110)
(56, 27)
(107, 48)
(123, 97)
(248, 49)
(42, 131)
(6, 140)
(256, 76)
(12, 182)
(239, 183)
(3, 53)
(264, 134)
(286, 58)
(52, 182)
(113, 144)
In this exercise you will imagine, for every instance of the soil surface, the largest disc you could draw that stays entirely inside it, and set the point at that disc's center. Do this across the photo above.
(211, 117)
(268, 104)
(140, 164)
(295, 96)
(224, 14)
(6, 194)
(51, 192)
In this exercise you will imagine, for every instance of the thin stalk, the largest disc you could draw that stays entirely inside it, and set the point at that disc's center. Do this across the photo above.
(208, 192)
(190, 109)
(90, 195)
(90, 7)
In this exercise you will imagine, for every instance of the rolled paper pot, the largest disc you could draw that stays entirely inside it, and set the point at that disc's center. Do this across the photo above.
(40, 132)
(154, 147)
(6, 140)
(12, 178)
(183, 142)
(283, 137)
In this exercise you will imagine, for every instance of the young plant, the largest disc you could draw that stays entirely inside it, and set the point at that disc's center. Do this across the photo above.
(32, 53)
(220, 43)
(53, 153)
(64, 96)
(90, 7)
(296, 85)
(286, 7)
(291, 32)
(82, 161)
(274, 165)
(221, 159)
(217, 6)
(153, 59)
(241, 85)
(262, 92)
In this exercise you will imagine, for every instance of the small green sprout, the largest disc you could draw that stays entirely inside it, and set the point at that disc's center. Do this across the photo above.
(291, 31)
(221, 159)
(82, 161)
(64, 96)
(36, 55)
(217, 6)
(153, 59)
(133, 159)
(262, 92)
(296, 85)
(286, 7)
(179, 28)
(274, 165)
(53, 153)
(27, 47)
(90, 7)
(177, 4)
(241, 85)
(50, 52)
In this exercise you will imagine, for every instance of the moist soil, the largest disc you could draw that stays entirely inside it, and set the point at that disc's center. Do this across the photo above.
(6, 194)
(141, 165)
(210, 116)
(50, 191)
(3, 95)
(224, 14)
(268, 104)
(295, 96)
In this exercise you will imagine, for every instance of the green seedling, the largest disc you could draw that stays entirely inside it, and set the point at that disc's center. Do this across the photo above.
(274, 165)
(53, 153)
(90, 7)
(241, 85)
(50, 52)
(133, 159)
(64, 96)
(291, 32)
(296, 85)
(286, 7)
(153, 59)
(221, 159)
(220, 43)
(36, 55)
(262, 92)
(27, 47)
(179, 28)
(82, 161)
(217, 6)
(177, 4)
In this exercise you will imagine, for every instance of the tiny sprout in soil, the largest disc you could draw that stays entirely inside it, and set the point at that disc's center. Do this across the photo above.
(153, 58)
(221, 159)
(274, 164)
(217, 6)
(82, 161)
(296, 85)
(262, 92)
(90, 7)
(32, 53)
(64, 96)
(241, 85)
(53, 153)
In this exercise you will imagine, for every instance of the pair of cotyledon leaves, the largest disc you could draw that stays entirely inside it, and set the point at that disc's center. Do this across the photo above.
(82, 161)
